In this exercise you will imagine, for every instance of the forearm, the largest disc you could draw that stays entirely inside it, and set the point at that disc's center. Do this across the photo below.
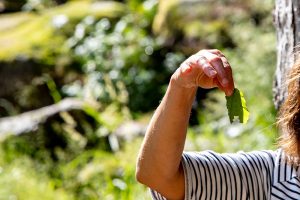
(161, 151)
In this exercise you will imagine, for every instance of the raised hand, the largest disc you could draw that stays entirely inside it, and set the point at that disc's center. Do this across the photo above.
(205, 69)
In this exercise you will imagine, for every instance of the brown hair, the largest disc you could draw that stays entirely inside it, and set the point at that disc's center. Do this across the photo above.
(289, 116)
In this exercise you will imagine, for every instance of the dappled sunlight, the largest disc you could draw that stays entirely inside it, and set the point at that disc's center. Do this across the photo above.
(80, 81)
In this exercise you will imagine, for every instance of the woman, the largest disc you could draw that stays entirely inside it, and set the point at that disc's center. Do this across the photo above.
(172, 174)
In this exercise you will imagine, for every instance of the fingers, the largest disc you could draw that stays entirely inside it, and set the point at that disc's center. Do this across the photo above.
(227, 68)
(198, 62)
(216, 52)
(215, 59)
(230, 78)
(206, 66)
(207, 69)
(217, 64)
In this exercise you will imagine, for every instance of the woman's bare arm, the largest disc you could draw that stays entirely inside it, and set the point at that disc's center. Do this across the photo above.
(159, 160)
(165, 138)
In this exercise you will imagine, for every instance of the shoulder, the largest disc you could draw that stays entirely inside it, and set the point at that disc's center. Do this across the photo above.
(266, 156)
(263, 159)
(208, 155)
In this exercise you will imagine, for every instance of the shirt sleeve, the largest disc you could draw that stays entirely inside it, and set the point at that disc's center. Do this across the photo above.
(209, 175)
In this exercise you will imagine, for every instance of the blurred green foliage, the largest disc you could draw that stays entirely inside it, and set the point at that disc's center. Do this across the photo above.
(46, 32)
(119, 56)
(110, 52)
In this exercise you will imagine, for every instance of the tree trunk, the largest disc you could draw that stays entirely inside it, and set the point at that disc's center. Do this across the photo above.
(287, 23)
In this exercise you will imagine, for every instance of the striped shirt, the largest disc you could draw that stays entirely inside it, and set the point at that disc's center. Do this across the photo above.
(254, 175)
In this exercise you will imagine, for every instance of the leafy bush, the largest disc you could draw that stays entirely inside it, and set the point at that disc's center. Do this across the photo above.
(120, 64)
(124, 55)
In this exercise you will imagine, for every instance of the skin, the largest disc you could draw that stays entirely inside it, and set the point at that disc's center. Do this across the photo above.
(159, 161)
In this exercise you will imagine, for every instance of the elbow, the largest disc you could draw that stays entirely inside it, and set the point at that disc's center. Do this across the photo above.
(147, 175)
(144, 172)
(160, 183)
(140, 173)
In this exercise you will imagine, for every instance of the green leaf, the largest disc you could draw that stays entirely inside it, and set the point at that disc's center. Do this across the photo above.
(236, 105)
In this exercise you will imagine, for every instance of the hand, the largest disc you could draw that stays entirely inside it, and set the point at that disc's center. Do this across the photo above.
(205, 69)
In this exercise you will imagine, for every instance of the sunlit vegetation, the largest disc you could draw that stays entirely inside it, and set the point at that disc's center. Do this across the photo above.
(117, 58)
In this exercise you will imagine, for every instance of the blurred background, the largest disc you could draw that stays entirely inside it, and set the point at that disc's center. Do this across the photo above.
(80, 80)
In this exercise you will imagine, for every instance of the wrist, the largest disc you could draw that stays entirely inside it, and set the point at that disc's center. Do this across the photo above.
(180, 91)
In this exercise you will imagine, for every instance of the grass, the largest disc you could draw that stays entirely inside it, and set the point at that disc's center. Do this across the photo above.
(92, 175)
(19, 180)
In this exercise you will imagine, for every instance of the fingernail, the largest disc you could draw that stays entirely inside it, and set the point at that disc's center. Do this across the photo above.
(212, 73)
(225, 82)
